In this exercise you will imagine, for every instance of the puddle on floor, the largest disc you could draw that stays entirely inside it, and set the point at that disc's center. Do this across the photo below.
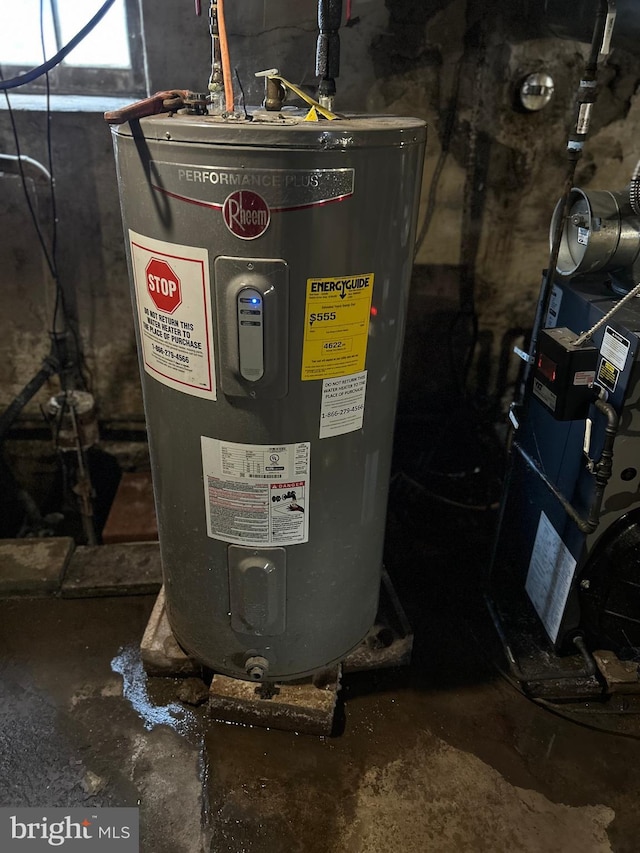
(128, 664)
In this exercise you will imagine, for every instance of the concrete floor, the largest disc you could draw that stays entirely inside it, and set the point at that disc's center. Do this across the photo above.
(443, 756)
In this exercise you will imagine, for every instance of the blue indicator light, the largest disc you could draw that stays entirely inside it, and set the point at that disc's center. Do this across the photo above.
(255, 301)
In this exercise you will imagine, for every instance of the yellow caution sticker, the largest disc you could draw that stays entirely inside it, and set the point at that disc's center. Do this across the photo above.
(608, 374)
(336, 326)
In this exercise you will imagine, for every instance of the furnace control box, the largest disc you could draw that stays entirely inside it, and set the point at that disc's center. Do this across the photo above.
(564, 374)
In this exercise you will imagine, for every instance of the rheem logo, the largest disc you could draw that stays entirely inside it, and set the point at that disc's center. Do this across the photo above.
(246, 214)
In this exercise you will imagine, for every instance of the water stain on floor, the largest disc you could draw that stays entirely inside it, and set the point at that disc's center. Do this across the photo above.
(439, 799)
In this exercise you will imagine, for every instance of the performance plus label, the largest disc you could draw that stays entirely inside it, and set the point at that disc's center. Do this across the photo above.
(249, 198)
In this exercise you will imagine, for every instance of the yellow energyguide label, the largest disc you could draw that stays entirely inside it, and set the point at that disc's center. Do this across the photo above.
(336, 326)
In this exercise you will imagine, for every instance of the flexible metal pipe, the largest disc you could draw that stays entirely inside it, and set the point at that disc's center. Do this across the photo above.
(634, 190)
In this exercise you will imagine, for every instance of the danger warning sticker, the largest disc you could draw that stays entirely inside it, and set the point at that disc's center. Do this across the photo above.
(608, 374)
(336, 330)
(615, 348)
(256, 494)
(174, 314)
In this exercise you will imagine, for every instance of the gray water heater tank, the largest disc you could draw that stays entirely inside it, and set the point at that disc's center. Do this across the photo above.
(270, 264)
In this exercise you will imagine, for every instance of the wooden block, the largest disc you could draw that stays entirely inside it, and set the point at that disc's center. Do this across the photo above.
(33, 567)
(306, 707)
(621, 676)
(132, 517)
(160, 652)
(390, 640)
(133, 568)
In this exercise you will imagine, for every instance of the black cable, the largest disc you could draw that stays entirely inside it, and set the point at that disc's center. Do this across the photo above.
(40, 70)
(244, 99)
(54, 214)
(23, 178)
(49, 259)
(445, 144)
(48, 255)
(59, 301)
(57, 361)
(460, 375)
(51, 364)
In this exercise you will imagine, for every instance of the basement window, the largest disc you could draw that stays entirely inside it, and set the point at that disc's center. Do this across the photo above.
(109, 61)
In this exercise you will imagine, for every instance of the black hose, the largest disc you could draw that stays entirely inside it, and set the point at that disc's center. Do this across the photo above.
(40, 70)
(328, 46)
(49, 368)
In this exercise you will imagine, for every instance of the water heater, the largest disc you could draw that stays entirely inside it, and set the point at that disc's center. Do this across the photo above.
(270, 263)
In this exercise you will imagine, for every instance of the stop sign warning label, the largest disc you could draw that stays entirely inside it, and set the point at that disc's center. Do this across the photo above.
(173, 306)
(163, 286)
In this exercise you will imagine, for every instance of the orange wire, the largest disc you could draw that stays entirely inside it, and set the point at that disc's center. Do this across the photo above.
(226, 61)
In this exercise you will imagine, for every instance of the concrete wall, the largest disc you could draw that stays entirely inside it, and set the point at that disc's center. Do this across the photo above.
(453, 62)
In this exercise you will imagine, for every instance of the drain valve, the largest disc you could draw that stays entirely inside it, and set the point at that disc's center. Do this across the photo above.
(257, 668)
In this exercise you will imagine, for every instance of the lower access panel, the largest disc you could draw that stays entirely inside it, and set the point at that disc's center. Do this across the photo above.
(257, 590)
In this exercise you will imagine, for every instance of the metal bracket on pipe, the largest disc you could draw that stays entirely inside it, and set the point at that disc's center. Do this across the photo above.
(608, 28)
(161, 102)
(274, 74)
(525, 356)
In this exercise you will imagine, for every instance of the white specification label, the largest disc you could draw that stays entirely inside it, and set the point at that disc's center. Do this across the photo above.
(549, 577)
(543, 393)
(342, 404)
(554, 307)
(583, 236)
(174, 314)
(584, 377)
(256, 494)
(615, 348)
(584, 118)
